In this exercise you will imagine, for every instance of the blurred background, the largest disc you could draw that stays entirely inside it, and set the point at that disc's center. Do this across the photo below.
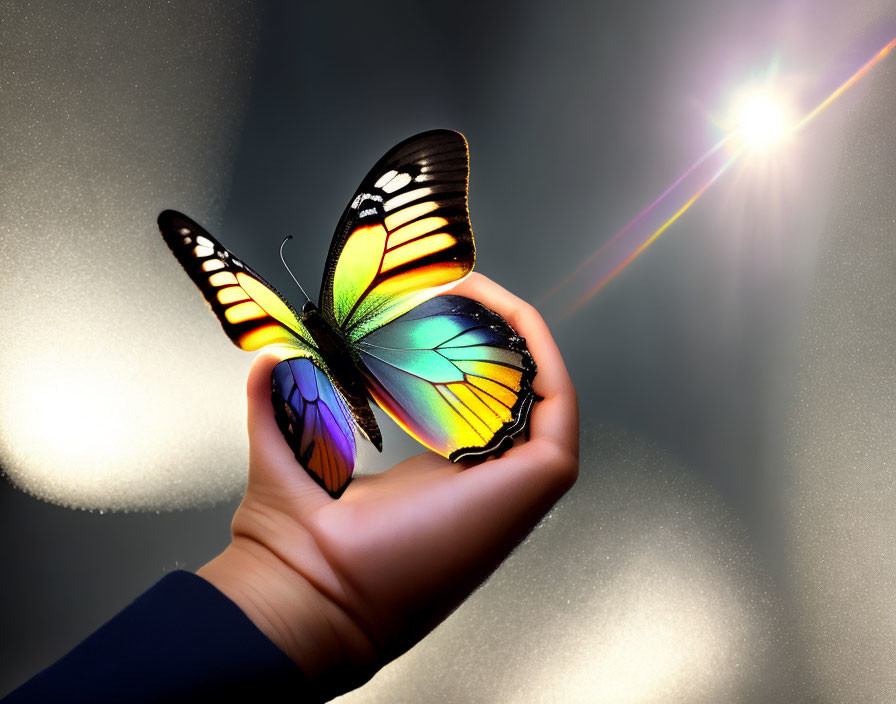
(731, 537)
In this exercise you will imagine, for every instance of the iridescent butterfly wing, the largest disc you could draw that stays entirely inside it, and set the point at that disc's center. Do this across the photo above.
(453, 374)
(450, 372)
(310, 411)
(316, 421)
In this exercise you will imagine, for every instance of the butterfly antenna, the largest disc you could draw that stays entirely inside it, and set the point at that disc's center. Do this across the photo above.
(285, 239)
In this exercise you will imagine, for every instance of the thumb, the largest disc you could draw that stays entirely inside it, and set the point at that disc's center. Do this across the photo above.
(272, 464)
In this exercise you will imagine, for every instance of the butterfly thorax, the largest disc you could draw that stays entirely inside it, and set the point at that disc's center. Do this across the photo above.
(343, 367)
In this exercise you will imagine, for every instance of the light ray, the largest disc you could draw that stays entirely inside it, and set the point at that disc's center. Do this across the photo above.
(656, 234)
(744, 146)
(721, 143)
(846, 85)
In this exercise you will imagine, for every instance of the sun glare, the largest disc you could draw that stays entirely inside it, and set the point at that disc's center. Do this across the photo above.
(760, 119)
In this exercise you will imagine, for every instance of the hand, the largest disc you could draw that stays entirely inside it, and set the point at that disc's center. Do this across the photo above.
(344, 586)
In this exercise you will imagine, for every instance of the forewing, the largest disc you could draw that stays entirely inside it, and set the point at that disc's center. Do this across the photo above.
(404, 236)
(315, 421)
(251, 311)
(453, 374)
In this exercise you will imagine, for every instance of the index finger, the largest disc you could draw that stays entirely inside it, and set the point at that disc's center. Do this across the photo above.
(555, 419)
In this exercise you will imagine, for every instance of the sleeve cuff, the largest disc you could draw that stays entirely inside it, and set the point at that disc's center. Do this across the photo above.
(182, 640)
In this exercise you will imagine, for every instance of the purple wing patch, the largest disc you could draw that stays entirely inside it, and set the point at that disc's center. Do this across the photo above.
(315, 421)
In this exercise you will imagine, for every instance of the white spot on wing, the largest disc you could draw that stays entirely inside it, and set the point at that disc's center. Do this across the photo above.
(400, 181)
(385, 178)
(361, 197)
(405, 198)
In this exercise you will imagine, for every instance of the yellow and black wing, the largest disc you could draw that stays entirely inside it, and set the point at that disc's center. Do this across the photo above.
(311, 412)
(251, 311)
(404, 237)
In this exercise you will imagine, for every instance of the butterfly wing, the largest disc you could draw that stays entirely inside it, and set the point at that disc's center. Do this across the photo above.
(310, 411)
(453, 374)
(404, 236)
(316, 422)
(448, 370)
(251, 311)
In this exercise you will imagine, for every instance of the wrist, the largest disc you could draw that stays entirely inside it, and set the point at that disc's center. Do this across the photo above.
(315, 633)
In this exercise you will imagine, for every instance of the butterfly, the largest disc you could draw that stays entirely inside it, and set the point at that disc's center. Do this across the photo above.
(449, 371)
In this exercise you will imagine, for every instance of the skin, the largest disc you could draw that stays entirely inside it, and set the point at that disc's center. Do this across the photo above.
(344, 586)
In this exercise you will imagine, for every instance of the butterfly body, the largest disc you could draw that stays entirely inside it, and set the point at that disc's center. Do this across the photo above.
(450, 372)
(345, 369)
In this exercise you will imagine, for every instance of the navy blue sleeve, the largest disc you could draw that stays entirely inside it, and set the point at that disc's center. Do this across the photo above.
(182, 640)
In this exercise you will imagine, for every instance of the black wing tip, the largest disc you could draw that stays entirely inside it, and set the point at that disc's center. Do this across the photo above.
(373, 435)
(334, 493)
(436, 132)
(167, 216)
(172, 220)
(338, 492)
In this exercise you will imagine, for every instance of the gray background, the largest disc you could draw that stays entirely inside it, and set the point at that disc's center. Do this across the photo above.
(731, 537)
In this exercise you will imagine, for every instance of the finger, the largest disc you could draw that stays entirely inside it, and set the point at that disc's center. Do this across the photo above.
(504, 499)
(526, 321)
(272, 464)
(556, 417)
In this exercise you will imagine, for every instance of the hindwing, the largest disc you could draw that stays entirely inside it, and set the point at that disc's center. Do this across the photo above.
(453, 374)
(315, 421)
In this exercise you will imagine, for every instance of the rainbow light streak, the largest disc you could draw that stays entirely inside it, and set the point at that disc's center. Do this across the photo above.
(650, 240)
(848, 83)
(721, 143)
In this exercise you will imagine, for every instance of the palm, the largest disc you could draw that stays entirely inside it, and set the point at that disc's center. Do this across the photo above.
(399, 550)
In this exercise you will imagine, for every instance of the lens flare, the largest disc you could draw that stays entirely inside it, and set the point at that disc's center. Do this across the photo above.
(653, 237)
(759, 120)
(846, 85)
(693, 167)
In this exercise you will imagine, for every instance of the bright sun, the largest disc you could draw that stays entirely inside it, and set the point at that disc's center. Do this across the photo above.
(760, 119)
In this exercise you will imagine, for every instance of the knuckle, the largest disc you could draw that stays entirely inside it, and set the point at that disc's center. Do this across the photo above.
(529, 311)
(562, 463)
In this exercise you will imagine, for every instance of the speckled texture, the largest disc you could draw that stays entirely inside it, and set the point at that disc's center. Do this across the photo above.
(110, 113)
(842, 499)
(640, 586)
(118, 389)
